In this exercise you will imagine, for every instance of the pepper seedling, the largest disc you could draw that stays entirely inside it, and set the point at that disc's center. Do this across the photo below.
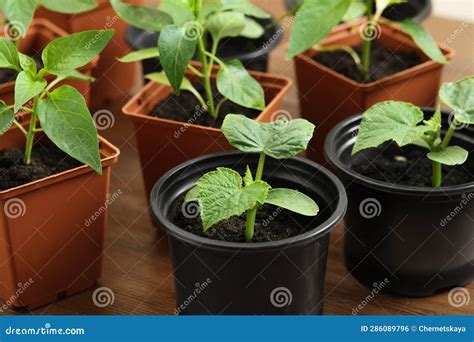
(316, 18)
(62, 111)
(183, 27)
(19, 13)
(403, 123)
(224, 193)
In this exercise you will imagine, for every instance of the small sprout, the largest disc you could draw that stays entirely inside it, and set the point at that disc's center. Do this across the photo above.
(224, 193)
(403, 123)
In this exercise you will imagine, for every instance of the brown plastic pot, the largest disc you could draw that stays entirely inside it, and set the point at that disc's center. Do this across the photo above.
(327, 97)
(52, 231)
(39, 34)
(114, 80)
(164, 144)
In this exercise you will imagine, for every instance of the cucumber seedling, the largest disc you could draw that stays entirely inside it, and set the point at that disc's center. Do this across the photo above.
(184, 26)
(224, 193)
(403, 123)
(62, 111)
(316, 18)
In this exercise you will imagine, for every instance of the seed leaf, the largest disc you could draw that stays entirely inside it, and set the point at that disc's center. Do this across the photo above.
(222, 196)
(75, 50)
(176, 50)
(451, 155)
(140, 55)
(245, 7)
(281, 139)
(226, 24)
(19, 14)
(390, 120)
(252, 29)
(142, 17)
(192, 195)
(70, 6)
(6, 117)
(460, 97)
(67, 122)
(292, 200)
(313, 22)
(423, 39)
(236, 84)
(8, 55)
(26, 87)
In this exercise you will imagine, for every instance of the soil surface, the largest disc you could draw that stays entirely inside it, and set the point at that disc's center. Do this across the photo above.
(383, 62)
(186, 108)
(412, 168)
(272, 224)
(46, 160)
(7, 75)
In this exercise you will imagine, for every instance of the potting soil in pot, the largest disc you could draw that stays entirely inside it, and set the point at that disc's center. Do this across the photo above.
(383, 62)
(411, 167)
(46, 160)
(186, 108)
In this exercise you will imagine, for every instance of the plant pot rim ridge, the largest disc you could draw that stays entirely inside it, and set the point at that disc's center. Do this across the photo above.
(332, 155)
(300, 239)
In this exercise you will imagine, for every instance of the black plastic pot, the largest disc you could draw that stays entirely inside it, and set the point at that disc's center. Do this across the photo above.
(256, 59)
(402, 233)
(278, 277)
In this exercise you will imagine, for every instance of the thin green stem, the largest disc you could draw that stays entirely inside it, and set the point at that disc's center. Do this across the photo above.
(219, 105)
(449, 134)
(215, 44)
(367, 40)
(20, 127)
(195, 71)
(252, 213)
(31, 133)
(437, 174)
(437, 167)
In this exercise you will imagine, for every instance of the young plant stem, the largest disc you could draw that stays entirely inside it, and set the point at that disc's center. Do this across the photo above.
(252, 213)
(437, 167)
(30, 138)
(367, 40)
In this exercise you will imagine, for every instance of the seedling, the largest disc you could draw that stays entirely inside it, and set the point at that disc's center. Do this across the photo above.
(19, 13)
(316, 18)
(183, 27)
(62, 111)
(403, 123)
(220, 193)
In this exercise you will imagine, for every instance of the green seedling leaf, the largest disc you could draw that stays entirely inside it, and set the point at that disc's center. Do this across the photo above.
(252, 29)
(209, 7)
(292, 200)
(75, 50)
(9, 55)
(221, 196)
(67, 122)
(192, 195)
(6, 117)
(313, 22)
(75, 75)
(179, 10)
(381, 5)
(451, 155)
(356, 10)
(19, 14)
(390, 120)
(139, 55)
(28, 64)
(423, 39)
(435, 121)
(248, 178)
(245, 7)
(236, 84)
(226, 24)
(142, 17)
(69, 6)
(281, 139)
(460, 97)
(26, 87)
(176, 50)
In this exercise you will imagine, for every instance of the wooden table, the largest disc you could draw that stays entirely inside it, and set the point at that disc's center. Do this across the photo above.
(136, 264)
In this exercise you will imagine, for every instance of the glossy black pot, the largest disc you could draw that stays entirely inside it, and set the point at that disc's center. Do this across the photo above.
(421, 239)
(276, 277)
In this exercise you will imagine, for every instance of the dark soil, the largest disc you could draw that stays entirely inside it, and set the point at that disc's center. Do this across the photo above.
(46, 160)
(186, 108)
(383, 62)
(272, 224)
(7, 75)
(412, 168)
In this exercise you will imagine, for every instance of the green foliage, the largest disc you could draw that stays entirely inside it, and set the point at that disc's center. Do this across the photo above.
(139, 55)
(69, 6)
(460, 97)
(6, 117)
(9, 57)
(141, 17)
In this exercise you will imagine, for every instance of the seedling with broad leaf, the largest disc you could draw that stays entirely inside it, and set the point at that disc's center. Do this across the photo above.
(403, 123)
(62, 111)
(184, 27)
(316, 18)
(224, 193)
(19, 13)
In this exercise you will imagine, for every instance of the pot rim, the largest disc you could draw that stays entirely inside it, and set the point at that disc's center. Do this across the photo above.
(331, 155)
(301, 239)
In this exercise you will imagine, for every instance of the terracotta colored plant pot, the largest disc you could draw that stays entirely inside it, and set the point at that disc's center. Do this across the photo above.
(327, 97)
(39, 34)
(163, 144)
(114, 80)
(52, 231)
